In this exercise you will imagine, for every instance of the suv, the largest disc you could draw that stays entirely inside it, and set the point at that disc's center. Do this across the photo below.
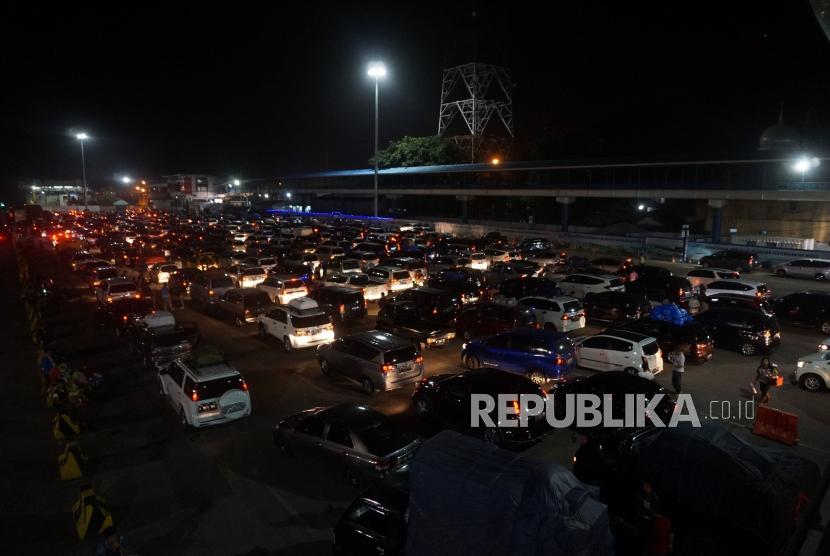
(377, 360)
(207, 287)
(514, 289)
(817, 269)
(737, 302)
(806, 309)
(204, 389)
(116, 288)
(248, 277)
(301, 323)
(620, 350)
(749, 332)
(242, 305)
(556, 313)
(101, 273)
(705, 276)
(658, 283)
(742, 261)
(396, 278)
(580, 285)
(340, 303)
(485, 319)
(812, 371)
(746, 288)
(615, 306)
(432, 303)
(404, 318)
(671, 336)
(159, 345)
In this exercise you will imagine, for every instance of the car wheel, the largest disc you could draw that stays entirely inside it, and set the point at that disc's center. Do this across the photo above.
(286, 344)
(820, 277)
(747, 349)
(367, 386)
(492, 436)
(781, 272)
(261, 330)
(183, 418)
(631, 371)
(324, 367)
(423, 407)
(825, 327)
(537, 377)
(811, 382)
(354, 477)
(471, 362)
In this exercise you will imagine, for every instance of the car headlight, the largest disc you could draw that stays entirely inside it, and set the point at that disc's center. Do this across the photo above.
(799, 364)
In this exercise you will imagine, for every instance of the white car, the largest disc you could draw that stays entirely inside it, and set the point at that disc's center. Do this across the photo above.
(204, 390)
(562, 314)
(300, 324)
(116, 288)
(817, 269)
(283, 290)
(579, 285)
(160, 272)
(372, 289)
(620, 351)
(705, 276)
(812, 371)
(824, 345)
(265, 263)
(497, 256)
(238, 247)
(477, 261)
(544, 258)
(745, 288)
(248, 277)
(396, 279)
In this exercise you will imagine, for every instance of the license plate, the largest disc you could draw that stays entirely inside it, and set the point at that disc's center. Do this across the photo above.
(403, 367)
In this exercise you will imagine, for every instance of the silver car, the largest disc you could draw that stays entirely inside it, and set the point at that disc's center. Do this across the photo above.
(377, 360)
(817, 269)
(351, 439)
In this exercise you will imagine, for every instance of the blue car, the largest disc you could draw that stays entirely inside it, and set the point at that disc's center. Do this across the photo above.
(540, 355)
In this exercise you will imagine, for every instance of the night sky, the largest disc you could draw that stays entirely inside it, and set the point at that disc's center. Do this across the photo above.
(256, 92)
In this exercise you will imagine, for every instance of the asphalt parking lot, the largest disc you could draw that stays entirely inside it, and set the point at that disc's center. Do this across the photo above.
(226, 490)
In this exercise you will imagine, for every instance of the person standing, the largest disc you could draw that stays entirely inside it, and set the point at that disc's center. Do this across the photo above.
(765, 374)
(165, 298)
(678, 368)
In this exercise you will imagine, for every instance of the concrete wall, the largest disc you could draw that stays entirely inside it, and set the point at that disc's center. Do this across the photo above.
(780, 218)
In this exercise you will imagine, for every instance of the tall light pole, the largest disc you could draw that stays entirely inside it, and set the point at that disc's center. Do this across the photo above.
(377, 70)
(83, 137)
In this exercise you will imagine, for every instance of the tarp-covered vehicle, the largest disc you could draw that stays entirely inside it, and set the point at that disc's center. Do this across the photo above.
(470, 497)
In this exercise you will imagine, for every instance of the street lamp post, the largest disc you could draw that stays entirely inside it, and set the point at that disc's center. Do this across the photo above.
(83, 137)
(377, 70)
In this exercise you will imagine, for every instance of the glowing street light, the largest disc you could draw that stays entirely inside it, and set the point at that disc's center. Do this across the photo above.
(126, 179)
(641, 206)
(82, 136)
(288, 195)
(377, 71)
(496, 161)
(804, 164)
(236, 183)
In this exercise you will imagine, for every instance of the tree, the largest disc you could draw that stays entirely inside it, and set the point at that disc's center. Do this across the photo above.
(419, 151)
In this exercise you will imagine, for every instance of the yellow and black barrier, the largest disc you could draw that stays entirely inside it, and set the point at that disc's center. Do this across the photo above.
(69, 462)
(90, 513)
(63, 427)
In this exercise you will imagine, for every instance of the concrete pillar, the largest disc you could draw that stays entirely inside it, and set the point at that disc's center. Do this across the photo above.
(717, 214)
(565, 202)
(465, 201)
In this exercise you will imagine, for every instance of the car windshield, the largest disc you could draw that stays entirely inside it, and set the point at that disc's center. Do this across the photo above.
(400, 355)
(359, 280)
(217, 387)
(651, 348)
(400, 275)
(222, 282)
(572, 306)
(121, 288)
(308, 321)
(293, 284)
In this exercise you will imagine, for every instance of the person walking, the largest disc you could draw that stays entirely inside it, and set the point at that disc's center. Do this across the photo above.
(765, 376)
(678, 367)
(165, 298)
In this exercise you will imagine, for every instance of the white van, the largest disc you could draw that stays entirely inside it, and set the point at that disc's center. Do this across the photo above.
(301, 323)
(620, 350)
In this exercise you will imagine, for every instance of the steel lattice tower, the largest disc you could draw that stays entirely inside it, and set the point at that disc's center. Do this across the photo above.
(474, 106)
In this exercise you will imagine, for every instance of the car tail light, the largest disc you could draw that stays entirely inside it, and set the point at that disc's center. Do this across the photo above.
(124, 318)
(109, 299)
(247, 311)
(387, 368)
(435, 310)
(516, 406)
(559, 360)
(137, 296)
(210, 292)
(419, 360)
(566, 316)
(342, 308)
(194, 395)
(244, 385)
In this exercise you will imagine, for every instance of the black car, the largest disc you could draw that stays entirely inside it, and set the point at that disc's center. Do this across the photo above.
(159, 346)
(748, 332)
(737, 302)
(342, 304)
(806, 308)
(670, 336)
(611, 387)
(518, 288)
(402, 318)
(467, 284)
(742, 261)
(376, 522)
(446, 401)
(121, 313)
(431, 303)
(614, 306)
(658, 284)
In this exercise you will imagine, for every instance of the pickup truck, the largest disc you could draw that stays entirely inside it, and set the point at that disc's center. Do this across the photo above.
(402, 318)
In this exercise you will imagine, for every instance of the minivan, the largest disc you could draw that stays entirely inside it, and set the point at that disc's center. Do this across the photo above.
(377, 360)
(620, 350)
(748, 332)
